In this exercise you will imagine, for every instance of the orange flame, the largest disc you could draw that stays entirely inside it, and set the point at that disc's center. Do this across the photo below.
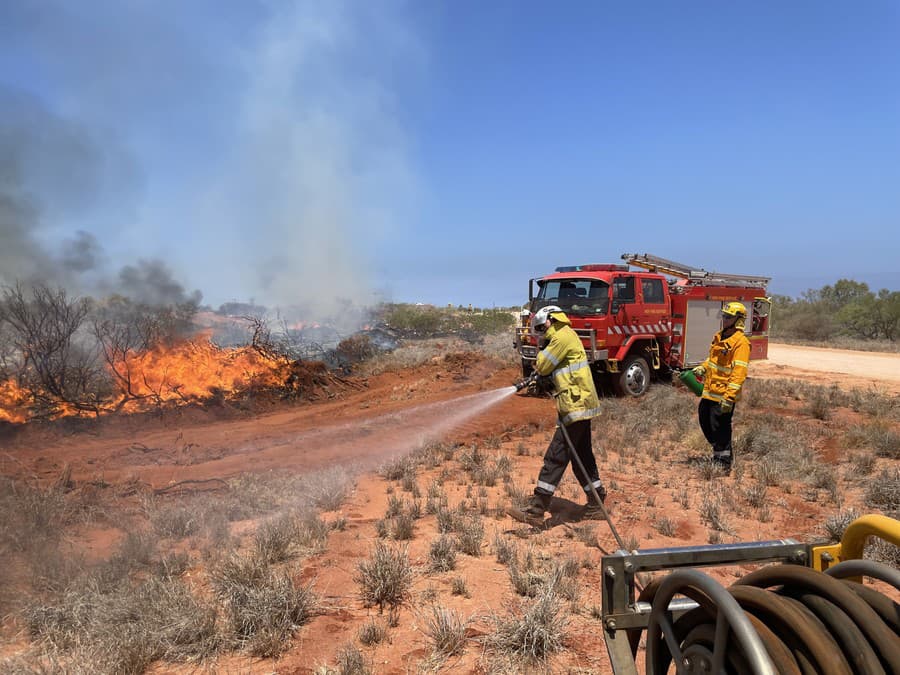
(188, 372)
(12, 403)
(192, 371)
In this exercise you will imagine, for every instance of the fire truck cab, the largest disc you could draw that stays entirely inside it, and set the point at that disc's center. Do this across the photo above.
(636, 324)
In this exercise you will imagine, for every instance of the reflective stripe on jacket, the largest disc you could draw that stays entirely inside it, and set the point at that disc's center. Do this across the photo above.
(726, 367)
(565, 361)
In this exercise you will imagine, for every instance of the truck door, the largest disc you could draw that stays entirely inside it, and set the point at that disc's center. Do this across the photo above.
(623, 309)
(653, 317)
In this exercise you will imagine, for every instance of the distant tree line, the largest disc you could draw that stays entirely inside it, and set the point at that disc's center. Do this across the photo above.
(848, 309)
(419, 321)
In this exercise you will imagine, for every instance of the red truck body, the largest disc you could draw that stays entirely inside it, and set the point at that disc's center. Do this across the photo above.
(639, 323)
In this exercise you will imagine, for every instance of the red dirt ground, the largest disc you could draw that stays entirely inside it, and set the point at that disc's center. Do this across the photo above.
(353, 430)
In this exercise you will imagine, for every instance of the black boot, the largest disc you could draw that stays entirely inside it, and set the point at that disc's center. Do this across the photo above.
(723, 463)
(537, 505)
(593, 510)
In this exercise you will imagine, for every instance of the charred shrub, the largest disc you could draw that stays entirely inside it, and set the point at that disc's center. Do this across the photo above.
(52, 356)
(355, 349)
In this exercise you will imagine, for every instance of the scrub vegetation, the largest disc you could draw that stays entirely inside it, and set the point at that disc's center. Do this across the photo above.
(421, 554)
(425, 321)
(846, 314)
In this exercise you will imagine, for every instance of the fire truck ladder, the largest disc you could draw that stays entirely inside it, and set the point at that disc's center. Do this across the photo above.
(695, 275)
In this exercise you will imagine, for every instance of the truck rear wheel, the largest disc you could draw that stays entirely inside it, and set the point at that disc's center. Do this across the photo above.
(633, 378)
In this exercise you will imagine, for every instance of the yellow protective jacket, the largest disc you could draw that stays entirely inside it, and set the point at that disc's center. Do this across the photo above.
(565, 361)
(726, 367)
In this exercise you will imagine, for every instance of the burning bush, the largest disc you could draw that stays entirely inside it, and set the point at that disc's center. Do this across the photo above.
(49, 362)
(62, 356)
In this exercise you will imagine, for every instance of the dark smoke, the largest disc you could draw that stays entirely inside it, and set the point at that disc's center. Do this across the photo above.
(81, 254)
(54, 171)
(21, 257)
(150, 282)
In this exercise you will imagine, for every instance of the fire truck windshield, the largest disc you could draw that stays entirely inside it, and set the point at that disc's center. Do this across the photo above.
(579, 296)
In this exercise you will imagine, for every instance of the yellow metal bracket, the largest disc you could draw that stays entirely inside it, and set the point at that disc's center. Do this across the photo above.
(854, 540)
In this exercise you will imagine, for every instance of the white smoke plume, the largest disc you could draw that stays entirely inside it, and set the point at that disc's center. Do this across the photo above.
(318, 165)
(252, 151)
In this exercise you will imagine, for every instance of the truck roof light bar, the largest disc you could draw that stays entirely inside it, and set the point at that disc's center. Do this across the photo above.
(593, 267)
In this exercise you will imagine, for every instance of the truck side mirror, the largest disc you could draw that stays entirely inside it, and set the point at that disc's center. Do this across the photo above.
(615, 307)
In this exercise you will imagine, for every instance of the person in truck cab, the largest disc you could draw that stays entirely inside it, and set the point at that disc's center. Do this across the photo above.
(723, 376)
(563, 363)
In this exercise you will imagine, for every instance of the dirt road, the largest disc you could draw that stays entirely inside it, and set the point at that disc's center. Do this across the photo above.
(825, 366)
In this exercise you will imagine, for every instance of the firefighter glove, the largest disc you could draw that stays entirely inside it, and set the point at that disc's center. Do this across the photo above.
(699, 371)
(726, 406)
(544, 383)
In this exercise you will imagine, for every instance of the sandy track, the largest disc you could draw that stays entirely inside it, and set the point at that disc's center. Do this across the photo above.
(827, 366)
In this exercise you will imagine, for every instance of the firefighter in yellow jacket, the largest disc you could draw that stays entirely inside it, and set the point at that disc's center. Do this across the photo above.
(723, 376)
(563, 364)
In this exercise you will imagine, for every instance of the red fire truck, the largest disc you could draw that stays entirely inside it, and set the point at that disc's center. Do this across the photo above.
(635, 324)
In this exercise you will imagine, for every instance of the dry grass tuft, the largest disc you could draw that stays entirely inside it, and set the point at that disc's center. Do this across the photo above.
(504, 549)
(533, 631)
(835, 525)
(351, 661)
(264, 605)
(442, 554)
(884, 490)
(328, 489)
(403, 527)
(458, 586)
(372, 633)
(386, 577)
(124, 628)
(470, 534)
(712, 512)
(877, 435)
(31, 517)
(275, 540)
(883, 551)
(447, 630)
(665, 526)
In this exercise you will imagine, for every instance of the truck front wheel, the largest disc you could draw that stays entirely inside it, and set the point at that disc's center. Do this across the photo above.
(633, 378)
(527, 368)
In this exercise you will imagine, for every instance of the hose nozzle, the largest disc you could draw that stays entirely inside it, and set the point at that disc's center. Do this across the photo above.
(527, 382)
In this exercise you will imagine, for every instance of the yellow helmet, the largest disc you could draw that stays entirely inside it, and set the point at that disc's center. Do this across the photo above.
(734, 309)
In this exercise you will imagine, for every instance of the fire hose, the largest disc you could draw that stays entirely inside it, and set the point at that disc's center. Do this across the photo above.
(534, 380)
(809, 622)
(575, 458)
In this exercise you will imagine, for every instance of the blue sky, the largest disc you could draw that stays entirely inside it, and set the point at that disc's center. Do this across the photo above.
(448, 151)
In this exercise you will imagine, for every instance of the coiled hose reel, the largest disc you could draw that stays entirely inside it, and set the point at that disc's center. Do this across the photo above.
(784, 618)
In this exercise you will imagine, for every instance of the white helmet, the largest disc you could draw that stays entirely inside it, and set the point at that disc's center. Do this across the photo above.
(542, 317)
